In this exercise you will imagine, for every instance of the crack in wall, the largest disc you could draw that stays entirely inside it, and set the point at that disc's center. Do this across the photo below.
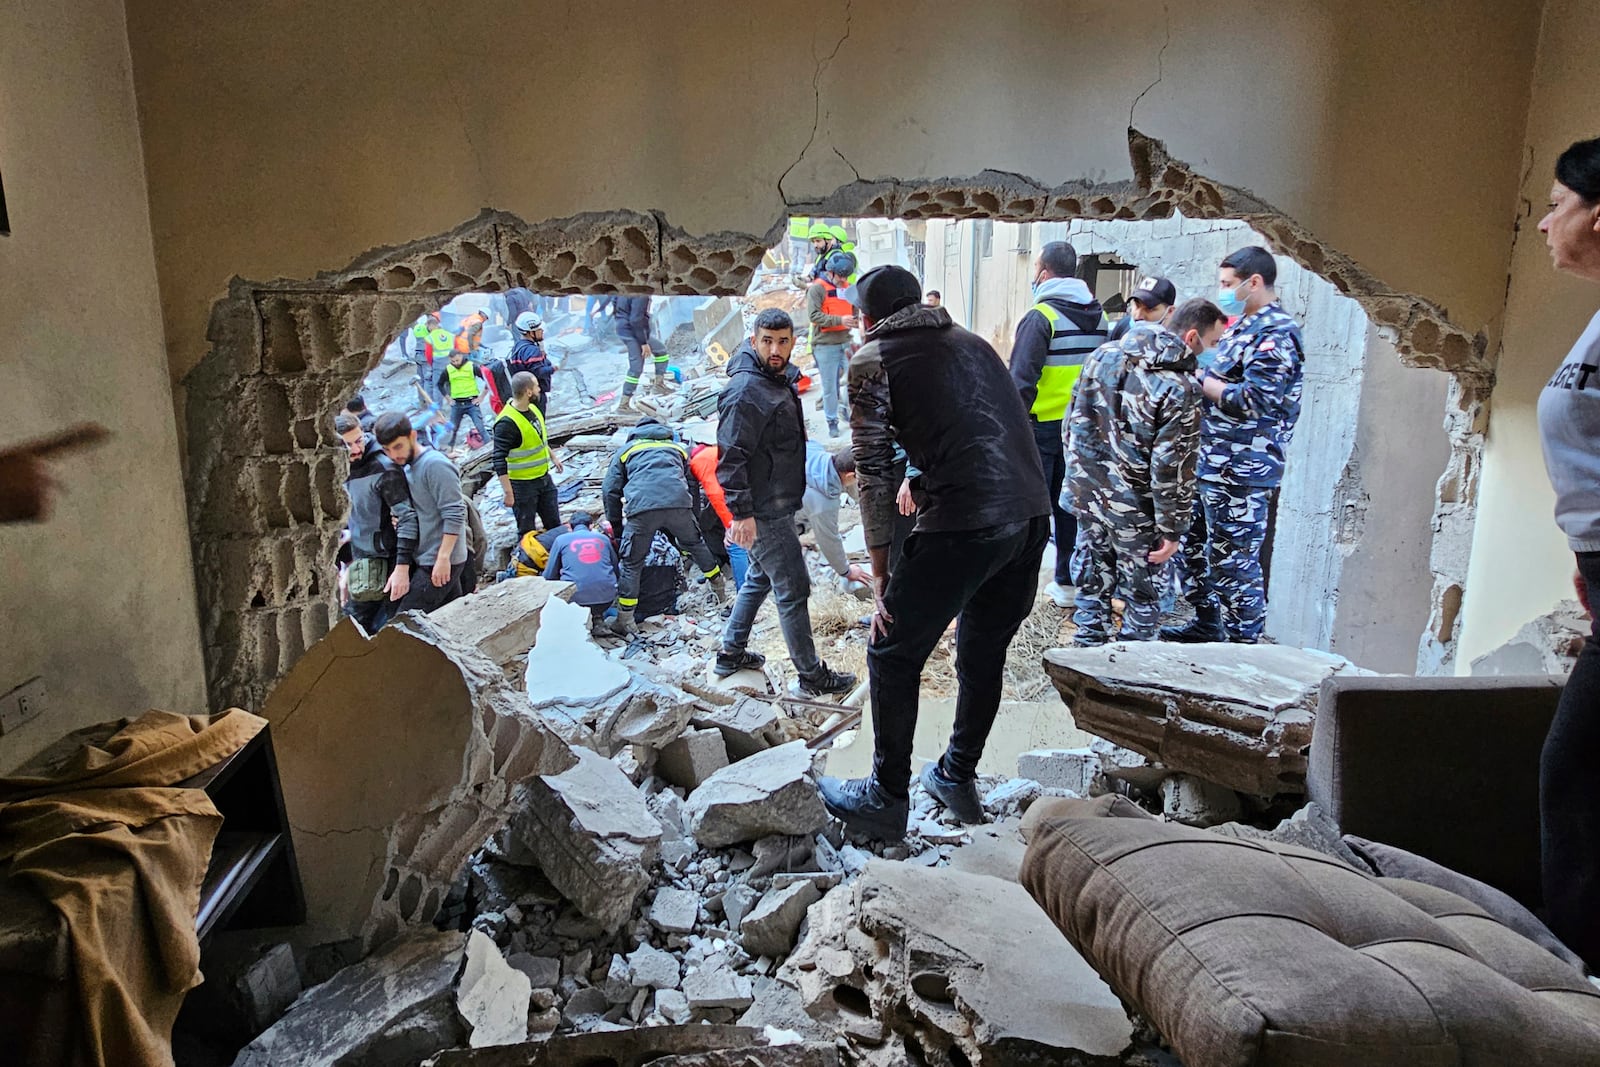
(1166, 15)
(822, 65)
(265, 483)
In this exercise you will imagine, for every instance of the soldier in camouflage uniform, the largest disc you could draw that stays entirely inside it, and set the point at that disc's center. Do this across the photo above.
(1132, 439)
(1253, 401)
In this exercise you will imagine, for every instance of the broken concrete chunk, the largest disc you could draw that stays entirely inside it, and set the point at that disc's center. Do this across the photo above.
(1548, 645)
(747, 726)
(653, 969)
(648, 715)
(502, 620)
(588, 1001)
(673, 1006)
(772, 792)
(1197, 802)
(771, 928)
(737, 902)
(543, 971)
(396, 1006)
(695, 756)
(717, 986)
(1237, 715)
(1060, 768)
(492, 996)
(565, 665)
(592, 835)
(675, 911)
(264, 989)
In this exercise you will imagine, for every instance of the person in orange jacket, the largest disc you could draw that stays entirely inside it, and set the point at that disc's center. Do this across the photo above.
(715, 518)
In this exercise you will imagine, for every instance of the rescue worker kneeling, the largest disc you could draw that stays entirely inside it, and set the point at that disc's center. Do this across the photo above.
(586, 558)
(645, 490)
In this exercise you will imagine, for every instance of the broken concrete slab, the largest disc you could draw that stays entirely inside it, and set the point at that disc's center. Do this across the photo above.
(565, 666)
(651, 968)
(1197, 802)
(1546, 645)
(648, 714)
(737, 901)
(1060, 768)
(771, 928)
(592, 834)
(543, 971)
(492, 996)
(675, 1046)
(999, 984)
(675, 911)
(696, 755)
(716, 985)
(749, 683)
(1237, 715)
(396, 1006)
(772, 792)
(381, 830)
(748, 725)
(502, 621)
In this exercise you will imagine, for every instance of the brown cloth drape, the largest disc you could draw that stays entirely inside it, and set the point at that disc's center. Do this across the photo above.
(95, 827)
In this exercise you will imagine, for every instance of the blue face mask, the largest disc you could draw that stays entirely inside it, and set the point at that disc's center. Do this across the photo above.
(1229, 300)
(1206, 358)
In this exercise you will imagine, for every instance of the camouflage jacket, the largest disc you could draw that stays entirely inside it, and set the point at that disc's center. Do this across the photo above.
(1244, 435)
(1133, 433)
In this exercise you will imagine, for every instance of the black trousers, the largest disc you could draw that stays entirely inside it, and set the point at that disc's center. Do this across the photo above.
(1053, 454)
(535, 502)
(988, 579)
(424, 596)
(1569, 796)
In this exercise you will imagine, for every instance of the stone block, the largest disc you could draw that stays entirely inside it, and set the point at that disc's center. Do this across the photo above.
(1237, 715)
(695, 756)
(492, 996)
(717, 986)
(748, 726)
(771, 928)
(675, 911)
(543, 971)
(1060, 768)
(502, 620)
(652, 968)
(1197, 802)
(592, 834)
(772, 792)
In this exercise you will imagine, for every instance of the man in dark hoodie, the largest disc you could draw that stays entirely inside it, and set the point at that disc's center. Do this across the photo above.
(982, 524)
(378, 495)
(632, 316)
(1133, 440)
(1064, 325)
(529, 355)
(761, 466)
(645, 490)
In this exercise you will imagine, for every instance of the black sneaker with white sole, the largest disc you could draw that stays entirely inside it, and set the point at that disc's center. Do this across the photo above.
(734, 662)
(823, 683)
(864, 808)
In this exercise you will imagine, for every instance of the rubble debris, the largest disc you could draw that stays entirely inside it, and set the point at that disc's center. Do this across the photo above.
(381, 831)
(772, 792)
(492, 996)
(1236, 715)
(592, 835)
(999, 985)
(748, 726)
(1197, 802)
(1061, 768)
(543, 971)
(660, 1046)
(565, 666)
(696, 755)
(1547, 645)
(393, 1007)
(1308, 828)
(650, 968)
(502, 620)
(716, 985)
(675, 911)
(771, 928)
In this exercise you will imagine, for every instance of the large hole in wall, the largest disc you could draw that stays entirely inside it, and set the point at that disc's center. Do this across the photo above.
(264, 511)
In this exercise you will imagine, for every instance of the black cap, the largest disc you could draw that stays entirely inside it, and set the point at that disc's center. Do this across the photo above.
(882, 291)
(1153, 291)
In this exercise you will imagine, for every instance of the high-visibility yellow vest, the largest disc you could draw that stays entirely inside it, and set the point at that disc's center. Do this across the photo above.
(463, 381)
(442, 341)
(1063, 362)
(531, 458)
(799, 226)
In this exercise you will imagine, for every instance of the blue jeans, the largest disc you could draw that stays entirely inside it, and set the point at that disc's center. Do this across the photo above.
(739, 563)
(466, 409)
(778, 566)
(830, 367)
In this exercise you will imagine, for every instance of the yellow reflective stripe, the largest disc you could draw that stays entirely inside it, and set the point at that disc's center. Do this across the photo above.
(627, 602)
(640, 446)
(713, 572)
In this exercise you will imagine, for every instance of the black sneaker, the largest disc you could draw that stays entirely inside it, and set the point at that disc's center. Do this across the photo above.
(959, 798)
(823, 683)
(734, 662)
(864, 808)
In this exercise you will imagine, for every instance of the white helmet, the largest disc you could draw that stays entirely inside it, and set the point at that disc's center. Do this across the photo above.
(528, 320)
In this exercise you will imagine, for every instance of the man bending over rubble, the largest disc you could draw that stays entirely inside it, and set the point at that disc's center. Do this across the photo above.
(648, 485)
(761, 466)
(983, 520)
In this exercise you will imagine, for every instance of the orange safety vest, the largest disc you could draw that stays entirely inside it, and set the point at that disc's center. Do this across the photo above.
(834, 304)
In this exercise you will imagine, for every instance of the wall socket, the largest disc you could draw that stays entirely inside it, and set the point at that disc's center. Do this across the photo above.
(23, 703)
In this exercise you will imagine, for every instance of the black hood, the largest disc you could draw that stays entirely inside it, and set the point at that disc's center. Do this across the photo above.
(746, 361)
(650, 429)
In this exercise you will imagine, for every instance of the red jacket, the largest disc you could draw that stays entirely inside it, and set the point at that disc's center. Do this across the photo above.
(704, 465)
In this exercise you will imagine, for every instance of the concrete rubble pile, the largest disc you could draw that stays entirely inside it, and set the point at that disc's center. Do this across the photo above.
(1547, 645)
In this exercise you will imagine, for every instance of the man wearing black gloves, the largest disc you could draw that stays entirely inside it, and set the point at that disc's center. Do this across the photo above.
(983, 519)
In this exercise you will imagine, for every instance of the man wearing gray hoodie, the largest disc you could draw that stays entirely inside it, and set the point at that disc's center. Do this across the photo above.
(433, 534)
(1053, 339)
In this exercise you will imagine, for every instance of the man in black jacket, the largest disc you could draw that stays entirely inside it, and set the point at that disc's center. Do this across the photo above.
(378, 494)
(761, 465)
(632, 316)
(648, 486)
(983, 518)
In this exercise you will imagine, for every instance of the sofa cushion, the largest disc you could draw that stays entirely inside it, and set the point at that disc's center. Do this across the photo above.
(1243, 953)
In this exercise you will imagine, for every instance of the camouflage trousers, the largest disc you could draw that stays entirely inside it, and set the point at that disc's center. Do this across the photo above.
(1110, 559)
(1223, 564)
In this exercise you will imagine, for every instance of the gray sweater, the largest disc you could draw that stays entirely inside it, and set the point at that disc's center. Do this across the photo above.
(1569, 429)
(437, 508)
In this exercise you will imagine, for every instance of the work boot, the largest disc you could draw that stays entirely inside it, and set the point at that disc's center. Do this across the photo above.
(865, 808)
(1206, 626)
(666, 384)
(959, 798)
(823, 683)
(625, 402)
(624, 626)
(833, 427)
(734, 662)
(719, 586)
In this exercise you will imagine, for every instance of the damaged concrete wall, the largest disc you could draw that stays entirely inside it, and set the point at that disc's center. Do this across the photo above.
(1521, 565)
(99, 601)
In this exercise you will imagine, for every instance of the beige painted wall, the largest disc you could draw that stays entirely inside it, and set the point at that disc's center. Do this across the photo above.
(99, 600)
(286, 138)
(1520, 562)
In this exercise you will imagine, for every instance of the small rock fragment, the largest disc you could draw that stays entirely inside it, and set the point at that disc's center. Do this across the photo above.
(675, 910)
(771, 928)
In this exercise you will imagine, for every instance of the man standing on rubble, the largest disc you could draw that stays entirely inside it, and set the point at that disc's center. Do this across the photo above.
(528, 355)
(522, 457)
(1064, 325)
(647, 489)
(983, 521)
(432, 535)
(459, 381)
(761, 466)
(1252, 391)
(1134, 432)
(378, 496)
(632, 316)
(832, 318)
